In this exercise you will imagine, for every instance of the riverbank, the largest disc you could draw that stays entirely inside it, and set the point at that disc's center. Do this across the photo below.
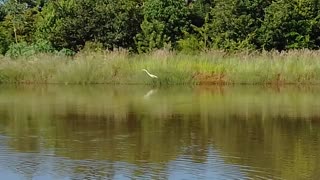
(294, 67)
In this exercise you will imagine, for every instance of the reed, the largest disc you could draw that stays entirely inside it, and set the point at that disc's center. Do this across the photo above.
(120, 67)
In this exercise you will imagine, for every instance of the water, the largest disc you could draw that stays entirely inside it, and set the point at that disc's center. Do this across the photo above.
(139, 132)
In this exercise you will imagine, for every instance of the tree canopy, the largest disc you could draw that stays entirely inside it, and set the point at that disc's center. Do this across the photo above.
(144, 25)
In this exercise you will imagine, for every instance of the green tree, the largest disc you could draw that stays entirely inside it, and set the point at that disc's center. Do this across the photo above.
(5, 41)
(20, 19)
(234, 23)
(14, 16)
(291, 24)
(199, 10)
(164, 23)
(4, 38)
(70, 23)
(2, 12)
(197, 37)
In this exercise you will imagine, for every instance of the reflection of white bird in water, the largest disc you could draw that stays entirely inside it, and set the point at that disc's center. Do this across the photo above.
(151, 75)
(149, 93)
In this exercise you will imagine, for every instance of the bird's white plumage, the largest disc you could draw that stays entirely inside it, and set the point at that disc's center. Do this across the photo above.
(149, 74)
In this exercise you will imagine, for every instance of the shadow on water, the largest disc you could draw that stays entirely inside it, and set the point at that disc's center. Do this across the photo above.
(125, 132)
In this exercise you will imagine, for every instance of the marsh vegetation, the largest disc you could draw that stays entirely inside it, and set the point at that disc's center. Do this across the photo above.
(121, 67)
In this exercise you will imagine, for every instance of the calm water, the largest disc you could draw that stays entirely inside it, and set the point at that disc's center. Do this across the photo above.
(136, 132)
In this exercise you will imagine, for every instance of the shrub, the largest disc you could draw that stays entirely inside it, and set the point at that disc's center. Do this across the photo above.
(190, 44)
(24, 49)
(92, 47)
(19, 49)
(66, 52)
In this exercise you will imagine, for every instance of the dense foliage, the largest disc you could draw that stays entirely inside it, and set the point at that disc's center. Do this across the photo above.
(144, 25)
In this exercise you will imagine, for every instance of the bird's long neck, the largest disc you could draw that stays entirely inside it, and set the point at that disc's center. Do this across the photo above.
(147, 72)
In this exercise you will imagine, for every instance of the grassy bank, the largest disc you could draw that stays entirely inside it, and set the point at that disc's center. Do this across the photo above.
(295, 67)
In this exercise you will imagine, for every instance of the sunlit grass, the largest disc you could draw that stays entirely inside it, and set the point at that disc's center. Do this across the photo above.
(120, 67)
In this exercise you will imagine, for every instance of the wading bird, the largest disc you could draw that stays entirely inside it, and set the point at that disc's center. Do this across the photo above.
(151, 75)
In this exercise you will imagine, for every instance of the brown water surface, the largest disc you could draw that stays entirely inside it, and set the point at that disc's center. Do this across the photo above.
(139, 132)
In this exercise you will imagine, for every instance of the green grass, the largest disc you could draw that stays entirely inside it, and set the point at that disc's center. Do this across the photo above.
(294, 67)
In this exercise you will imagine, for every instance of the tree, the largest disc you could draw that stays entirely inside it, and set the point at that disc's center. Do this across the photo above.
(198, 37)
(19, 19)
(291, 24)
(164, 23)
(234, 23)
(70, 23)
(2, 12)
(14, 16)
(199, 10)
(4, 41)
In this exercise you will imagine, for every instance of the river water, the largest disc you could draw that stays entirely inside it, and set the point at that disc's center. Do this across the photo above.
(140, 132)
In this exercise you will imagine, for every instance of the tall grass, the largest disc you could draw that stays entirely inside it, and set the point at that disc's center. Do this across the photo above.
(120, 67)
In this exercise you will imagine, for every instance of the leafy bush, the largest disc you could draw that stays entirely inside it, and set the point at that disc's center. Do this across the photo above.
(20, 49)
(190, 44)
(66, 52)
(43, 46)
(24, 49)
(92, 47)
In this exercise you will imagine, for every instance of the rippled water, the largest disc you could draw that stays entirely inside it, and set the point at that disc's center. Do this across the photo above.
(138, 132)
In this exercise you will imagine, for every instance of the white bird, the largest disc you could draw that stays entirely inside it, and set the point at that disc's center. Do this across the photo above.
(151, 75)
